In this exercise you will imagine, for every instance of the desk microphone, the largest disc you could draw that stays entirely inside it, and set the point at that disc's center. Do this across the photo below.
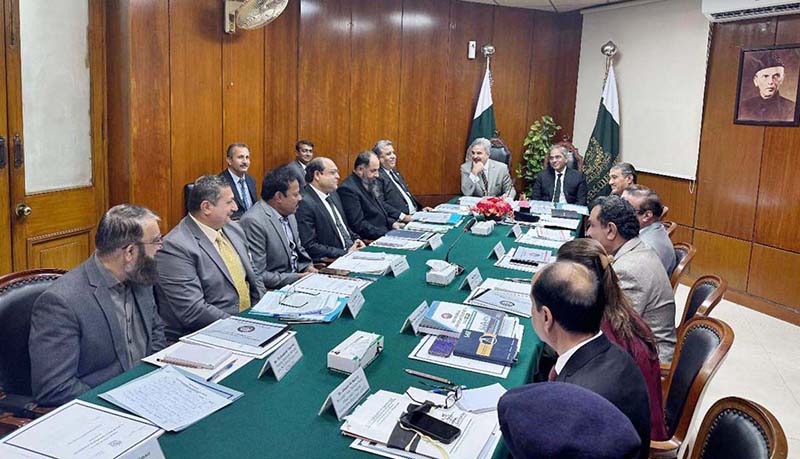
(467, 227)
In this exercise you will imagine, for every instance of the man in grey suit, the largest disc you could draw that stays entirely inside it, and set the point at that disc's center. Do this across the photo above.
(271, 229)
(205, 271)
(98, 320)
(304, 153)
(483, 176)
(613, 223)
(649, 208)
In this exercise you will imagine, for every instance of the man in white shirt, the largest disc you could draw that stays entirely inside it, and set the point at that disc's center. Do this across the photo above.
(482, 176)
(320, 218)
(649, 208)
(566, 314)
(559, 183)
(397, 198)
(242, 184)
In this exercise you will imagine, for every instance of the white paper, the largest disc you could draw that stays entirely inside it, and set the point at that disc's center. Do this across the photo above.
(517, 292)
(347, 394)
(481, 399)
(355, 301)
(236, 348)
(435, 241)
(432, 217)
(341, 286)
(428, 227)
(365, 262)
(506, 262)
(148, 450)
(283, 359)
(530, 238)
(398, 243)
(233, 363)
(79, 430)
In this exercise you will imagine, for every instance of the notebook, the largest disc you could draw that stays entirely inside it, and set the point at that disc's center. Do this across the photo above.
(194, 356)
(487, 347)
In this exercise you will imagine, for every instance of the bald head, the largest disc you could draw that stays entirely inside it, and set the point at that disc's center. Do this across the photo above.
(322, 174)
(570, 291)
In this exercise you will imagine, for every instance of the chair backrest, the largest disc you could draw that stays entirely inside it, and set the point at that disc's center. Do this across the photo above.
(500, 151)
(187, 190)
(684, 252)
(670, 227)
(18, 292)
(664, 212)
(735, 427)
(702, 346)
(705, 294)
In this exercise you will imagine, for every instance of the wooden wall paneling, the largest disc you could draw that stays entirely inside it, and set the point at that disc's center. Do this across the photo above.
(774, 274)
(423, 85)
(118, 71)
(280, 87)
(511, 67)
(5, 197)
(674, 193)
(723, 256)
(468, 22)
(569, 50)
(195, 53)
(243, 97)
(728, 171)
(60, 252)
(684, 234)
(544, 67)
(375, 78)
(778, 210)
(324, 77)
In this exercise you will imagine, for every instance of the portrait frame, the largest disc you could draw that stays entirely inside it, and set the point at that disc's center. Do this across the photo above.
(779, 109)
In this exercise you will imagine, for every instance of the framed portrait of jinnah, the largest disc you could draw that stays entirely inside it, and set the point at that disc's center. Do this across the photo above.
(767, 92)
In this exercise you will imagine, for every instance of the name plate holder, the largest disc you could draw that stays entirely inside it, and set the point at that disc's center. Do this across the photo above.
(399, 266)
(516, 231)
(498, 251)
(347, 394)
(435, 242)
(472, 281)
(415, 318)
(354, 302)
(283, 359)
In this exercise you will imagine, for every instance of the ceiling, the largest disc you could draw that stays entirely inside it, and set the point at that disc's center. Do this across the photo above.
(555, 6)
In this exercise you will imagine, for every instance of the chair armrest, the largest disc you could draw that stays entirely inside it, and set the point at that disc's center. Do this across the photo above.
(328, 260)
(665, 371)
(10, 423)
(664, 449)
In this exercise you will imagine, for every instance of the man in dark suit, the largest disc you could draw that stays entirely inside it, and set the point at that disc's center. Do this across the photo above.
(366, 214)
(242, 184)
(205, 270)
(320, 217)
(559, 183)
(397, 198)
(271, 228)
(304, 153)
(566, 315)
(99, 320)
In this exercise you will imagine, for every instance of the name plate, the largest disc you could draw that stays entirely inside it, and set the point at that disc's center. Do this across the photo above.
(415, 318)
(498, 251)
(472, 281)
(516, 231)
(355, 301)
(347, 394)
(399, 266)
(435, 241)
(150, 449)
(283, 359)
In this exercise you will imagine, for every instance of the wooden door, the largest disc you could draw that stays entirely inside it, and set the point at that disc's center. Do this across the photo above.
(5, 222)
(52, 225)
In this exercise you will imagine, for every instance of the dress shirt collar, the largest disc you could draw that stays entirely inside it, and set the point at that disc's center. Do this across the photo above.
(651, 228)
(564, 358)
(301, 164)
(236, 178)
(275, 214)
(628, 246)
(210, 232)
(322, 196)
(109, 279)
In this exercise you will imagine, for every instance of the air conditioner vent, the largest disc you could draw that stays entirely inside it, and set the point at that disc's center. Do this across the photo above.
(738, 15)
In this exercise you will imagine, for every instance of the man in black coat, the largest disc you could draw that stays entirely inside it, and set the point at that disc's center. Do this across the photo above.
(365, 213)
(320, 217)
(242, 184)
(397, 198)
(559, 183)
(566, 314)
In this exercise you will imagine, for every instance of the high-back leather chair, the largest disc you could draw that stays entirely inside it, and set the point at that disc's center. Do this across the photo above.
(670, 227)
(187, 191)
(500, 151)
(18, 292)
(702, 346)
(684, 252)
(705, 294)
(735, 427)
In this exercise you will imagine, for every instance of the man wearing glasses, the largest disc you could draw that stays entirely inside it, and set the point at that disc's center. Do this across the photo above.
(304, 153)
(271, 229)
(98, 320)
(649, 208)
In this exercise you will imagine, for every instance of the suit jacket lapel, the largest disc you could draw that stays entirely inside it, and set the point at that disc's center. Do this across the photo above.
(208, 248)
(582, 356)
(106, 304)
(323, 208)
(278, 228)
(143, 299)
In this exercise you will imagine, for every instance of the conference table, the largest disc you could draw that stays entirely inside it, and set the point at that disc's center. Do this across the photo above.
(279, 419)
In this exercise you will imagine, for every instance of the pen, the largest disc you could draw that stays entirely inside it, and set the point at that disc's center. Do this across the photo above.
(181, 364)
(521, 280)
(300, 322)
(485, 291)
(430, 377)
(222, 370)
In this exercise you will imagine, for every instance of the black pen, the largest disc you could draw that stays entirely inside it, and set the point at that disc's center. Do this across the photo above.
(430, 377)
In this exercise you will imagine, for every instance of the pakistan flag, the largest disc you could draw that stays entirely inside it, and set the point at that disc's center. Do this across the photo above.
(603, 147)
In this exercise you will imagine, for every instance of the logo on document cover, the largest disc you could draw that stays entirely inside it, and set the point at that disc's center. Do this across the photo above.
(246, 328)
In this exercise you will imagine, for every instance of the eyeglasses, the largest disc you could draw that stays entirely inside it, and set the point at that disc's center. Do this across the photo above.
(158, 240)
(453, 395)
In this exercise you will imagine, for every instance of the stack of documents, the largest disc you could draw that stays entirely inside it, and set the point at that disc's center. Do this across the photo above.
(248, 337)
(170, 398)
(531, 256)
(532, 238)
(390, 242)
(407, 234)
(450, 319)
(326, 283)
(469, 201)
(508, 262)
(79, 430)
(365, 262)
(541, 207)
(506, 296)
(452, 209)
(481, 399)
(288, 304)
(428, 227)
(562, 223)
(440, 218)
(225, 368)
(375, 425)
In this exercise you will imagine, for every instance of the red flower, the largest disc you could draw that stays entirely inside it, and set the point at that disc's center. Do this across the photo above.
(493, 206)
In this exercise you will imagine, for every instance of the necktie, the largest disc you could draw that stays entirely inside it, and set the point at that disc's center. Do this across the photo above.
(553, 374)
(235, 268)
(485, 182)
(557, 192)
(395, 178)
(287, 229)
(344, 234)
(245, 194)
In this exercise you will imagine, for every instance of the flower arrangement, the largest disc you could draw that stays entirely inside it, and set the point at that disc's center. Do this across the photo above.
(493, 208)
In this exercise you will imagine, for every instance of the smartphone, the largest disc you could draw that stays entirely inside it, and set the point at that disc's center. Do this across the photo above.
(430, 426)
(443, 346)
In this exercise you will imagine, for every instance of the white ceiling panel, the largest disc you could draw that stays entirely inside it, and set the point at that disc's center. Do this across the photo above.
(556, 6)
